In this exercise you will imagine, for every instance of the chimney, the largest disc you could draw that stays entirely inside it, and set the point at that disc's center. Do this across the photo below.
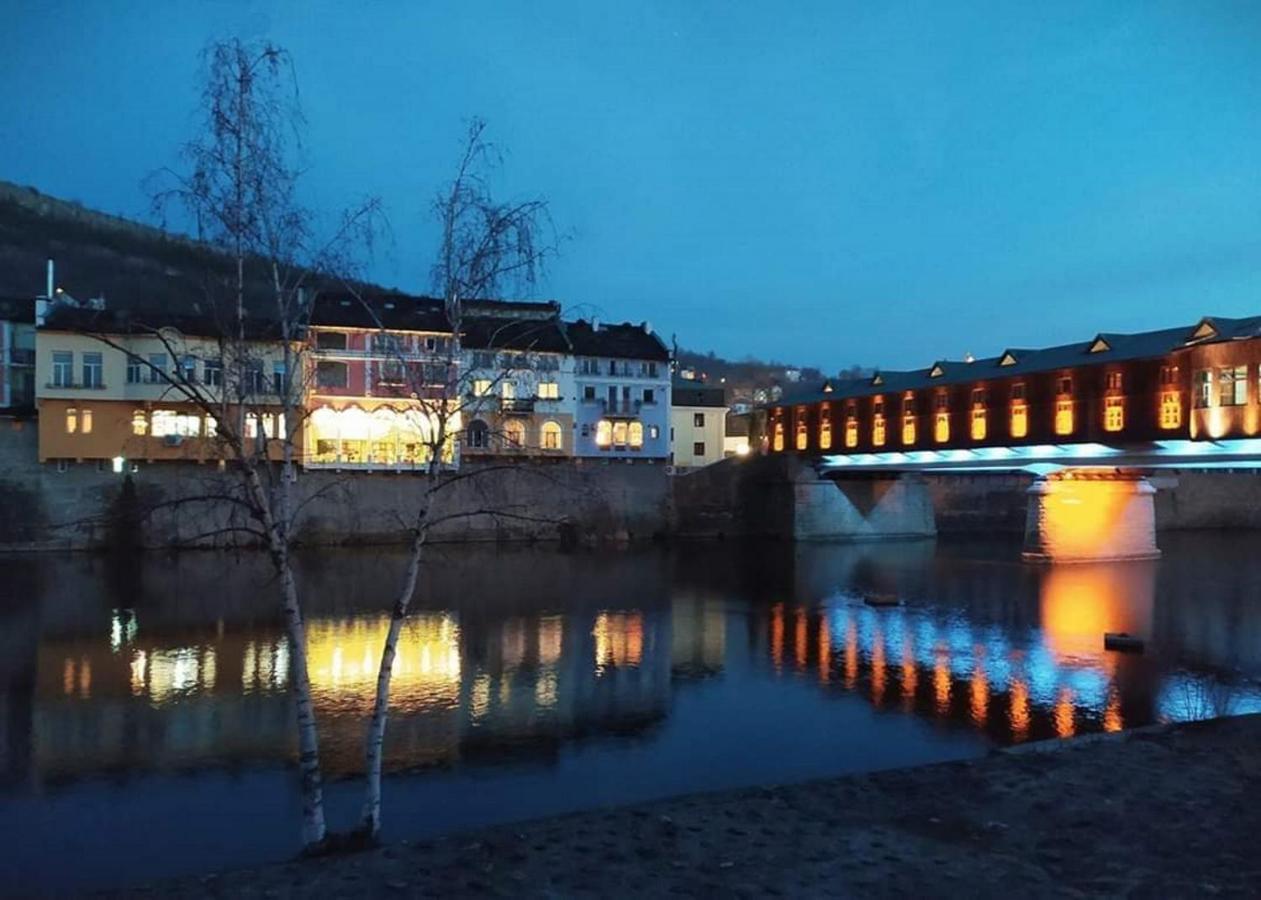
(48, 291)
(647, 326)
(595, 324)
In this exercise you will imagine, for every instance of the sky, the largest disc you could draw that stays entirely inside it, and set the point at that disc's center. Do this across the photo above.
(827, 183)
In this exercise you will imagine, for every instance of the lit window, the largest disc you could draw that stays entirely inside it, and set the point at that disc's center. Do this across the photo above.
(1063, 416)
(908, 428)
(139, 423)
(636, 435)
(851, 432)
(653, 432)
(604, 434)
(1113, 414)
(1113, 381)
(85, 421)
(1203, 388)
(619, 434)
(1232, 385)
(552, 436)
(508, 390)
(1019, 412)
(803, 436)
(514, 433)
(72, 420)
(1170, 410)
(272, 426)
(1169, 375)
(877, 429)
(549, 390)
(481, 387)
(978, 423)
(825, 431)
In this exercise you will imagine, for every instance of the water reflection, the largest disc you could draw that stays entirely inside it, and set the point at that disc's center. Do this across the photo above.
(184, 666)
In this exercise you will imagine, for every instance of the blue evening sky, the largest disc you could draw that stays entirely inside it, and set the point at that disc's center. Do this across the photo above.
(831, 182)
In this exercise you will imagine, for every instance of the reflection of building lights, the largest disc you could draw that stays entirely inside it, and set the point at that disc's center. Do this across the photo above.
(551, 636)
(825, 651)
(479, 696)
(1064, 724)
(910, 674)
(851, 653)
(1019, 698)
(941, 680)
(619, 639)
(980, 688)
(118, 463)
(545, 690)
(1112, 714)
(799, 638)
(777, 636)
(878, 673)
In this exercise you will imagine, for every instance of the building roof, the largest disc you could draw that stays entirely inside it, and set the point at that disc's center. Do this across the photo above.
(512, 333)
(624, 341)
(393, 312)
(1105, 347)
(687, 392)
(78, 318)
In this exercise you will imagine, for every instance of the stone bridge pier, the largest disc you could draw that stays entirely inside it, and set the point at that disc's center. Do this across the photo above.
(1082, 515)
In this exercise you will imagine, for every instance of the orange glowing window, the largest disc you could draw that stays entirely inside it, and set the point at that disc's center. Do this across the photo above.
(877, 429)
(941, 428)
(1063, 416)
(908, 428)
(978, 423)
(1019, 419)
(1170, 410)
(825, 431)
(1113, 414)
(851, 432)
(803, 436)
(72, 420)
(779, 436)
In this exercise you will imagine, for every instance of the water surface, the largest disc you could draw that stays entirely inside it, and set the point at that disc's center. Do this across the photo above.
(145, 725)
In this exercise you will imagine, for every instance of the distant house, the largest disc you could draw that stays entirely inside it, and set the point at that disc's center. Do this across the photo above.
(17, 353)
(736, 440)
(698, 416)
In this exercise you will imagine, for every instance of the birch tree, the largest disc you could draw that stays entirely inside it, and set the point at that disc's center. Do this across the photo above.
(486, 246)
(238, 185)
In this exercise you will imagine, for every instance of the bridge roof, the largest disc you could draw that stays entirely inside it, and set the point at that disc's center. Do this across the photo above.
(1103, 348)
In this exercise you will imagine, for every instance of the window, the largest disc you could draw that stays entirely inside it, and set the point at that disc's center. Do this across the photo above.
(803, 436)
(1203, 388)
(478, 435)
(93, 370)
(157, 368)
(514, 434)
(698, 420)
(63, 369)
(392, 371)
(1063, 416)
(552, 436)
(188, 369)
(851, 432)
(1112, 381)
(1064, 386)
(650, 396)
(1232, 383)
(698, 448)
(619, 434)
(133, 370)
(169, 423)
(825, 431)
(1019, 411)
(330, 340)
(508, 390)
(72, 420)
(481, 387)
(636, 435)
(653, 432)
(1170, 410)
(877, 428)
(941, 418)
(269, 425)
(778, 442)
(604, 434)
(908, 419)
(278, 379)
(431, 344)
(1113, 413)
(213, 371)
(139, 423)
(549, 390)
(1169, 375)
(588, 393)
(979, 421)
(332, 375)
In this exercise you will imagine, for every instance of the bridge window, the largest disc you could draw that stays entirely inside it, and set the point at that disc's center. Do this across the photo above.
(778, 443)
(825, 430)
(1169, 375)
(851, 432)
(1113, 414)
(908, 428)
(1113, 381)
(1203, 388)
(877, 429)
(1170, 410)
(941, 418)
(1019, 412)
(1232, 383)
(803, 437)
(1063, 416)
(978, 414)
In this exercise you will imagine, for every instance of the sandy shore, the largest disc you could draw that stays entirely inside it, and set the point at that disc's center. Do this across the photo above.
(1166, 813)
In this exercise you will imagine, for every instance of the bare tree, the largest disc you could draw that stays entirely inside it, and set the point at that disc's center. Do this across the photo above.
(486, 247)
(239, 188)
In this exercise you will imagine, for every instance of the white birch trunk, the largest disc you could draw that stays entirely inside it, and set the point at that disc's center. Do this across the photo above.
(371, 823)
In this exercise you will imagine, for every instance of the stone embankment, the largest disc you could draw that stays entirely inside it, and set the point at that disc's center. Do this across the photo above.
(1172, 812)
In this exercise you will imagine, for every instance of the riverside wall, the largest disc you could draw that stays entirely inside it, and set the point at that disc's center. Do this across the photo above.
(88, 506)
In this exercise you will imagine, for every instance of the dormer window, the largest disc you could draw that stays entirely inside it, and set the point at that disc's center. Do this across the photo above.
(1007, 359)
(936, 371)
(1099, 345)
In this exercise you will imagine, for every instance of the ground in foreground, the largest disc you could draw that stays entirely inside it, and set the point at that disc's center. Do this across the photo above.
(1174, 812)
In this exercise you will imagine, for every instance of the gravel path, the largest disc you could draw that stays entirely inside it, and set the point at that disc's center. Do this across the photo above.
(1167, 813)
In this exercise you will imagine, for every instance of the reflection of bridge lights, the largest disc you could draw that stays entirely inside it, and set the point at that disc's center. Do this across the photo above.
(825, 651)
(980, 689)
(1063, 714)
(1112, 714)
(910, 673)
(1019, 710)
(941, 680)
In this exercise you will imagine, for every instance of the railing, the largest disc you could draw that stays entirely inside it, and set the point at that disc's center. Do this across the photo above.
(516, 404)
(621, 407)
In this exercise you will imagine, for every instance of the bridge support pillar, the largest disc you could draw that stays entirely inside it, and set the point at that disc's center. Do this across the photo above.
(870, 508)
(1084, 516)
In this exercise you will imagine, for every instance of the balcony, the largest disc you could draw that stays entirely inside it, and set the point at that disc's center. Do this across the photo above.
(517, 405)
(624, 408)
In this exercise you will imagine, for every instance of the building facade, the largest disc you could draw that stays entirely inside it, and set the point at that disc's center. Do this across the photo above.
(622, 379)
(17, 353)
(698, 416)
(1197, 382)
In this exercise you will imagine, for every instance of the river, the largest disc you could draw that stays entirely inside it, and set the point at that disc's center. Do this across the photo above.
(146, 729)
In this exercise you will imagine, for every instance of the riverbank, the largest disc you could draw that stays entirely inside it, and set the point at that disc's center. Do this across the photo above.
(1166, 812)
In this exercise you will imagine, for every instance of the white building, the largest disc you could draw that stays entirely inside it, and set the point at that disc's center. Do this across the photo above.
(622, 376)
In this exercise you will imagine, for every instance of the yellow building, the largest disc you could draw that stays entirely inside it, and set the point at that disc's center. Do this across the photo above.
(698, 424)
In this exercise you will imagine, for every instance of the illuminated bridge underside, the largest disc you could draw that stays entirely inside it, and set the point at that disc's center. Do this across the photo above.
(1044, 459)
